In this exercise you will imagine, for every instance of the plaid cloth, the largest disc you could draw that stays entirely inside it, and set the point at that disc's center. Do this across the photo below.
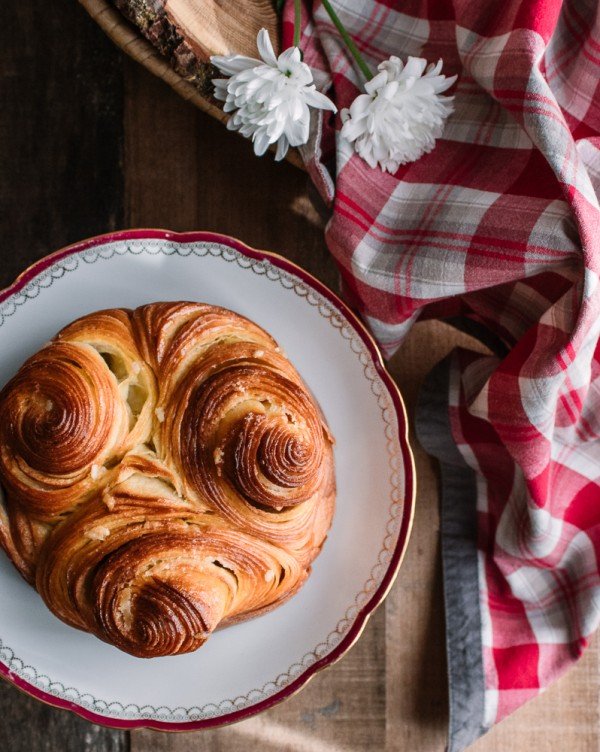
(496, 230)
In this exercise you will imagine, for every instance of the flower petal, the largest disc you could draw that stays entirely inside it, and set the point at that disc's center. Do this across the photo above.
(445, 85)
(232, 64)
(302, 74)
(297, 132)
(269, 99)
(265, 48)
(372, 86)
(401, 114)
(314, 98)
(261, 143)
(361, 104)
(351, 130)
(415, 67)
(282, 149)
(289, 59)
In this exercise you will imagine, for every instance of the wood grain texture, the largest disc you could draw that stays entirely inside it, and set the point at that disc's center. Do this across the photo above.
(61, 180)
(186, 75)
(225, 27)
(186, 33)
(267, 205)
(389, 692)
(60, 131)
(61, 135)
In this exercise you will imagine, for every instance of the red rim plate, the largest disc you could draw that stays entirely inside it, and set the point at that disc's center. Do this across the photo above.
(407, 510)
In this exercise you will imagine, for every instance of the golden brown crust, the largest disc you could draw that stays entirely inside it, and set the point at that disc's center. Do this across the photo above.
(166, 472)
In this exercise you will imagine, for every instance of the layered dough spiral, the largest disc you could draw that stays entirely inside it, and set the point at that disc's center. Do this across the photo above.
(165, 472)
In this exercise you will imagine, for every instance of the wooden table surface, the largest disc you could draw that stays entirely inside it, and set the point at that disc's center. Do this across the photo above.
(90, 142)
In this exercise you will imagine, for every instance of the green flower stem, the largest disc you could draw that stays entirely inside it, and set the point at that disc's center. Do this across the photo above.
(297, 22)
(347, 39)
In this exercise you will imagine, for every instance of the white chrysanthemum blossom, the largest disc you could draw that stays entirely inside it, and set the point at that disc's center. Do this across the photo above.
(401, 115)
(269, 98)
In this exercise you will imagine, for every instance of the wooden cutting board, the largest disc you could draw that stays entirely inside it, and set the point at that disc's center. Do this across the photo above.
(187, 32)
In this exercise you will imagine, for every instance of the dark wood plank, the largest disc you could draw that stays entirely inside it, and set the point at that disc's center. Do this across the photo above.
(27, 725)
(61, 148)
(187, 173)
(60, 161)
(390, 691)
(60, 130)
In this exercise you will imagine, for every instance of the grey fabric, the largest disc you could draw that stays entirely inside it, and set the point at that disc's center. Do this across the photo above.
(459, 557)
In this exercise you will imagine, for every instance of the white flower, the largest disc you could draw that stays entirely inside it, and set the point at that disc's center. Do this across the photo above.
(269, 99)
(401, 114)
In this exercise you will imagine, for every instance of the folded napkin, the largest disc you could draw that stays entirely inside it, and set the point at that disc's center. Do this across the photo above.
(497, 232)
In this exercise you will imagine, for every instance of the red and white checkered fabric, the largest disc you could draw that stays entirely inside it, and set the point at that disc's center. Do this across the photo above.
(499, 224)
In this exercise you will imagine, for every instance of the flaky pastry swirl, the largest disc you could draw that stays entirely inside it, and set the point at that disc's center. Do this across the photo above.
(166, 471)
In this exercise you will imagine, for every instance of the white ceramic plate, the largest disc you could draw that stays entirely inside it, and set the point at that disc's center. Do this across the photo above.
(248, 667)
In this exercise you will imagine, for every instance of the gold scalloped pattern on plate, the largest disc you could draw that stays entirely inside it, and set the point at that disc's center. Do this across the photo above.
(293, 283)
